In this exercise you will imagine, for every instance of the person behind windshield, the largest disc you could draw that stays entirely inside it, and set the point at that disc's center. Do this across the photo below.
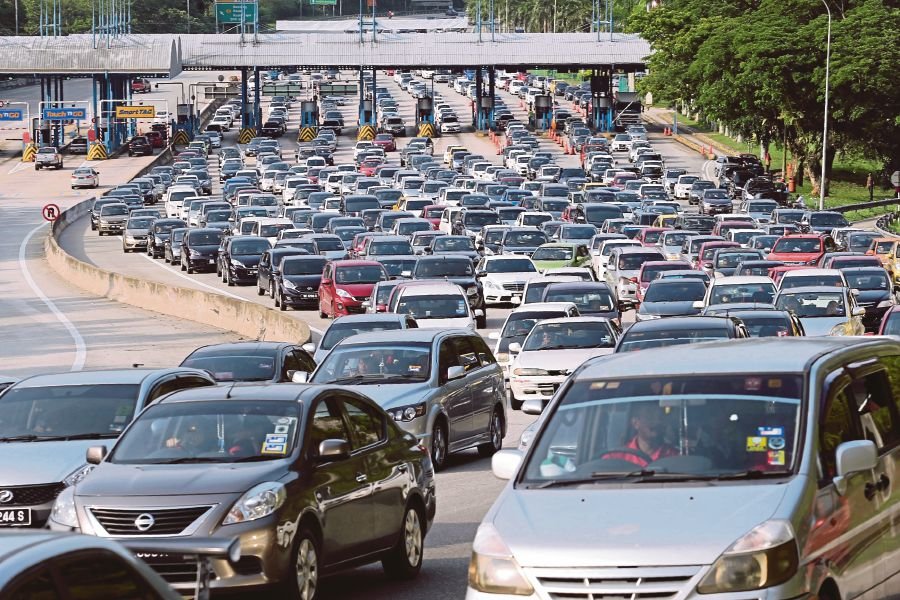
(647, 445)
(195, 438)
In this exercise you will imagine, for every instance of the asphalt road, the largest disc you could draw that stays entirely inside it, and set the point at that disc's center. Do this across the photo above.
(117, 335)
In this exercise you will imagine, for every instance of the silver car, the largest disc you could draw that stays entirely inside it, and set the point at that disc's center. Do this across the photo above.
(622, 270)
(48, 421)
(732, 470)
(824, 310)
(442, 385)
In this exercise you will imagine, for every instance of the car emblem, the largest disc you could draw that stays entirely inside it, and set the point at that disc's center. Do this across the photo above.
(6, 496)
(144, 521)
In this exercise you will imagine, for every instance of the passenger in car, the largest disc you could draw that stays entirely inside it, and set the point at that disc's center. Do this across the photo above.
(647, 445)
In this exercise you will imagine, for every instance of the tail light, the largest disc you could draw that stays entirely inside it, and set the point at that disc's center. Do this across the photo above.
(633, 279)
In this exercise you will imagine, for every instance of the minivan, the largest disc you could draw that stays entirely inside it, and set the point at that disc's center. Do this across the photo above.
(758, 468)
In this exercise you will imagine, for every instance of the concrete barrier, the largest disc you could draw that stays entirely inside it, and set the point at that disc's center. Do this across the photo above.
(245, 318)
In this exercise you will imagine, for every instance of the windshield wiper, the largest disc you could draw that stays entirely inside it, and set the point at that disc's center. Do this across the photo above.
(257, 458)
(190, 459)
(376, 378)
(752, 474)
(57, 438)
(595, 477)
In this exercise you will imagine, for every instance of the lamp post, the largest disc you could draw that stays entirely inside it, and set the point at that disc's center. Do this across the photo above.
(825, 127)
(179, 83)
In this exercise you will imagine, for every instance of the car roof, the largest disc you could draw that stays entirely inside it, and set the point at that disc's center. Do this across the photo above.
(571, 320)
(542, 306)
(104, 376)
(227, 347)
(635, 250)
(578, 285)
(373, 317)
(426, 335)
(742, 279)
(432, 287)
(814, 288)
(246, 391)
(811, 272)
(755, 355)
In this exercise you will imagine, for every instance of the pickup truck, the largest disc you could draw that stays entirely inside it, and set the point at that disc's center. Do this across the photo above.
(48, 156)
(140, 86)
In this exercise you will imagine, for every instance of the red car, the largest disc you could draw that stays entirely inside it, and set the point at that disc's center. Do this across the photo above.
(776, 273)
(804, 249)
(156, 139)
(651, 270)
(385, 141)
(433, 213)
(707, 250)
(346, 284)
(369, 166)
(649, 236)
(890, 323)
(724, 227)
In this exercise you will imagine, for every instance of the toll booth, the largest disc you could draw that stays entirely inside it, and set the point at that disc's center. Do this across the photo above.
(543, 113)
(484, 100)
(309, 121)
(601, 102)
(367, 116)
(425, 117)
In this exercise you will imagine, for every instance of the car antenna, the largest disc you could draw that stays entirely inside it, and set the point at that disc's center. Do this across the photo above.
(136, 365)
(228, 393)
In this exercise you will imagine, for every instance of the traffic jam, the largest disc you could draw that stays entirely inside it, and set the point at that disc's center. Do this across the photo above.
(709, 372)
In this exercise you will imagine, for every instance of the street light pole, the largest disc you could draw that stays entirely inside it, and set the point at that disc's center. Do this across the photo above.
(825, 127)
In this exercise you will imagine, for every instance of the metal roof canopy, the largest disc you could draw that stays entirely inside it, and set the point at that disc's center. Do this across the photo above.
(147, 55)
(561, 51)
(436, 23)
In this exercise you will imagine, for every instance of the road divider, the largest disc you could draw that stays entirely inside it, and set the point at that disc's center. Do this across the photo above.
(245, 318)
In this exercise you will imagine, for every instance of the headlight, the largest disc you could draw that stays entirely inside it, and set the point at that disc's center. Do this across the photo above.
(529, 372)
(408, 413)
(195, 254)
(260, 501)
(673, 256)
(344, 293)
(492, 569)
(78, 474)
(764, 557)
(839, 329)
(64, 508)
(502, 356)
(237, 263)
(158, 240)
(491, 284)
(288, 284)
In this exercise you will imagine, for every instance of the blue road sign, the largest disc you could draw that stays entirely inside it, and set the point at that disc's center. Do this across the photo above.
(65, 113)
(11, 114)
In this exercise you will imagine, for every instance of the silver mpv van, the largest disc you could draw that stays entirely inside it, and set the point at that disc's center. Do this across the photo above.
(752, 469)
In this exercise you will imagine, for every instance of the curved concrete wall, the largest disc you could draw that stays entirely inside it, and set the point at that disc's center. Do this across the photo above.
(248, 319)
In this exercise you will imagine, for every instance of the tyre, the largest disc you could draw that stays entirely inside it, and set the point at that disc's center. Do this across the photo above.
(513, 403)
(182, 266)
(481, 322)
(495, 430)
(439, 446)
(281, 302)
(404, 560)
(272, 290)
(302, 577)
(277, 300)
(259, 290)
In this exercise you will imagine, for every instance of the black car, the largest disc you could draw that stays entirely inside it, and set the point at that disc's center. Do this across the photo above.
(251, 361)
(760, 320)
(268, 267)
(453, 245)
(239, 257)
(273, 129)
(875, 293)
(160, 230)
(297, 281)
(199, 249)
(674, 331)
(458, 270)
(140, 145)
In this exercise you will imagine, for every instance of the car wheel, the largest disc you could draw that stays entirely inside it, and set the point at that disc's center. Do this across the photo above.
(481, 322)
(228, 280)
(496, 432)
(219, 270)
(404, 561)
(439, 446)
(183, 268)
(93, 227)
(303, 575)
(513, 403)
(272, 290)
(259, 290)
(281, 303)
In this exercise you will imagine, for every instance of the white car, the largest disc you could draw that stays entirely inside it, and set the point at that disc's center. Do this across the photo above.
(85, 177)
(439, 304)
(621, 143)
(175, 197)
(504, 278)
(450, 124)
(812, 277)
(682, 189)
(269, 227)
(223, 122)
(552, 351)
(739, 289)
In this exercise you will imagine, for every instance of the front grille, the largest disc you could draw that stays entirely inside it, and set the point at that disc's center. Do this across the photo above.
(29, 495)
(360, 298)
(174, 568)
(642, 583)
(514, 287)
(166, 521)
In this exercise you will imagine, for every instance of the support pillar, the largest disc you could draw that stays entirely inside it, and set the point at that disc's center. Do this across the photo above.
(257, 105)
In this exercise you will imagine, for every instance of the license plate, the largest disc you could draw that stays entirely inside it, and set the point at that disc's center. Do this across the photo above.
(212, 261)
(310, 295)
(15, 517)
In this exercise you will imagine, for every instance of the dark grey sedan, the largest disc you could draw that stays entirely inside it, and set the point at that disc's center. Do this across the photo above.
(311, 479)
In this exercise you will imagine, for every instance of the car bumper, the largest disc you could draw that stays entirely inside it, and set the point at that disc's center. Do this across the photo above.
(502, 297)
(204, 262)
(130, 242)
(242, 275)
(301, 297)
(111, 227)
(535, 388)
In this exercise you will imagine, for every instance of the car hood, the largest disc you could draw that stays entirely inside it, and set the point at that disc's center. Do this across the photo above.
(137, 231)
(31, 463)
(543, 265)
(110, 479)
(627, 526)
(668, 309)
(470, 253)
(357, 289)
(248, 260)
(206, 249)
(395, 395)
(512, 277)
(114, 218)
(333, 254)
(815, 326)
(559, 360)
(871, 297)
(451, 323)
(311, 281)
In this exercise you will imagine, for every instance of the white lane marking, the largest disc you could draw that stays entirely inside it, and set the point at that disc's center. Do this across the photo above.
(173, 271)
(80, 350)
(19, 167)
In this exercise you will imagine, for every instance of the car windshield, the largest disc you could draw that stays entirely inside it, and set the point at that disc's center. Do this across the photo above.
(641, 429)
(329, 244)
(443, 268)
(205, 238)
(587, 301)
(60, 411)
(376, 363)
(438, 306)
(652, 272)
(580, 335)
(860, 242)
(234, 367)
(715, 195)
(117, 210)
(387, 248)
(524, 239)
(795, 281)
(674, 239)
(867, 280)
(481, 219)
(766, 325)
(139, 223)
(340, 331)
(360, 274)
(510, 265)
(657, 338)
(683, 291)
(535, 220)
(789, 216)
(827, 220)
(217, 432)
(272, 230)
(812, 304)
(733, 259)
(454, 244)
(797, 245)
(302, 266)
(633, 262)
(579, 233)
(552, 253)
(742, 292)
(520, 324)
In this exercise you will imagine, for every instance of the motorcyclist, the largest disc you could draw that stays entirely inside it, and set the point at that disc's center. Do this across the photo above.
(800, 203)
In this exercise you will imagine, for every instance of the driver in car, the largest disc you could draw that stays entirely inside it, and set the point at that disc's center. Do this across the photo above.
(647, 445)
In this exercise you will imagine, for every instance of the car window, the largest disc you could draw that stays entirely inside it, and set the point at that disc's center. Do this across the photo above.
(871, 396)
(468, 358)
(326, 424)
(305, 361)
(483, 351)
(447, 357)
(35, 586)
(163, 388)
(101, 575)
(291, 363)
(366, 423)
(837, 428)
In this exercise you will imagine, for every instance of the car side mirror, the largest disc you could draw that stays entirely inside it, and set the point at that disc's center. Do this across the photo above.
(309, 347)
(494, 335)
(698, 304)
(480, 274)
(533, 407)
(505, 463)
(334, 449)
(455, 372)
(326, 282)
(95, 455)
(299, 377)
(853, 457)
(515, 348)
(859, 311)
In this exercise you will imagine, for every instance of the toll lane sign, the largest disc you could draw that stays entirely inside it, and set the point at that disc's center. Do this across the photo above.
(231, 12)
(10, 114)
(135, 112)
(56, 114)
